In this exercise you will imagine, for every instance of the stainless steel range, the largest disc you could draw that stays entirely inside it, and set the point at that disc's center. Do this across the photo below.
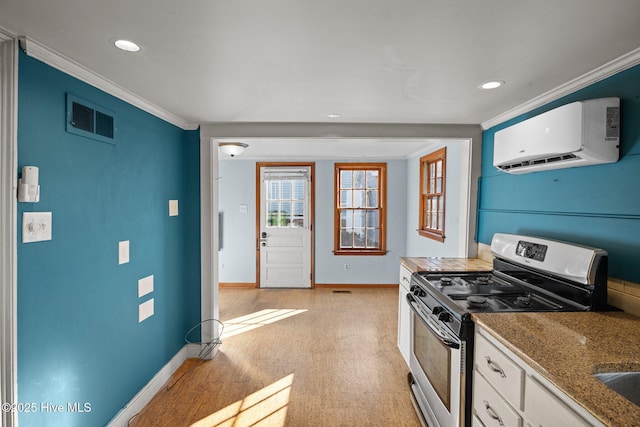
(529, 274)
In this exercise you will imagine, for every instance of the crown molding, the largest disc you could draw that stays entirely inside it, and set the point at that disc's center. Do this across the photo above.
(622, 63)
(67, 65)
(6, 35)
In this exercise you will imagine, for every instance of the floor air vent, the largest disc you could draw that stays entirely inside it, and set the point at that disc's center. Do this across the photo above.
(341, 292)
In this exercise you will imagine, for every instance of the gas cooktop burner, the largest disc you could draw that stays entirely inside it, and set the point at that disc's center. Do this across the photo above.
(476, 300)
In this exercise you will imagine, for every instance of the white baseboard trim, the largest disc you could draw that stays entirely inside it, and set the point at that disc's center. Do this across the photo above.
(193, 350)
(144, 396)
(147, 393)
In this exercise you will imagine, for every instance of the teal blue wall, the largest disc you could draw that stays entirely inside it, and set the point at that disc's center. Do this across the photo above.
(79, 339)
(593, 205)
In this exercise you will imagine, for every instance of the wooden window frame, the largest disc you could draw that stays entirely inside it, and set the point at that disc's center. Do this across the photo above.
(382, 209)
(425, 161)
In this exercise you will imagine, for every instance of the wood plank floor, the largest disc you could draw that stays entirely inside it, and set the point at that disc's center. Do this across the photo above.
(294, 358)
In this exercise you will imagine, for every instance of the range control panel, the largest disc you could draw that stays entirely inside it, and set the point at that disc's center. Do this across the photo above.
(531, 250)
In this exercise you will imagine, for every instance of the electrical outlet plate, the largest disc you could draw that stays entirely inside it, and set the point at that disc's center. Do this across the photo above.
(36, 226)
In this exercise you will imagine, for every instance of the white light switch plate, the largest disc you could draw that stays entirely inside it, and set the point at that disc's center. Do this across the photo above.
(145, 310)
(123, 252)
(36, 226)
(173, 208)
(145, 286)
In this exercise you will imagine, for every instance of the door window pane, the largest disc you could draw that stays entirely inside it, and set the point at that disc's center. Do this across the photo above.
(286, 203)
(286, 190)
(298, 190)
(273, 190)
(273, 212)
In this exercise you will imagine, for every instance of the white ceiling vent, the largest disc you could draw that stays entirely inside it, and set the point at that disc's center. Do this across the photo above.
(578, 134)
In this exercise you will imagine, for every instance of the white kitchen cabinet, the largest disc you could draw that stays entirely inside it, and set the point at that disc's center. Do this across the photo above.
(500, 371)
(490, 407)
(404, 314)
(543, 408)
(508, 392)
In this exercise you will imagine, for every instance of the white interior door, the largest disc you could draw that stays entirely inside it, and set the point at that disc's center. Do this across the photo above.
(285, 232)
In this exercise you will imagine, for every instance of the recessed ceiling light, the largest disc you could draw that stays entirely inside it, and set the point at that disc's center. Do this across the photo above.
(334, 116)
(493, 84)
(127, 46)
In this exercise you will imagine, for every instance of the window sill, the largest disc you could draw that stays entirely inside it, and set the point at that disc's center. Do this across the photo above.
(360, 253)
(431, 235)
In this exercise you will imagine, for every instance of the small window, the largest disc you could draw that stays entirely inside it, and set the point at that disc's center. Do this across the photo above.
(286, 201)
(432, 194)
(360, 215)
(91, 121)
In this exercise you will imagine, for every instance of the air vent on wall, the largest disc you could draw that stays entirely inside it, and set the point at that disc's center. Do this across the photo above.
(89, 120)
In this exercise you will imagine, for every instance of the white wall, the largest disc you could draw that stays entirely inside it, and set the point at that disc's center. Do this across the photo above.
(456, 201)
(237, 186)
(237, 257)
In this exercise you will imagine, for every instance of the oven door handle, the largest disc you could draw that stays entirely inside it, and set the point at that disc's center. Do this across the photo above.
(443, 338)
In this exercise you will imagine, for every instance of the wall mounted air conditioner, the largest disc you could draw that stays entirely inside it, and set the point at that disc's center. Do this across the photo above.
(577, 134)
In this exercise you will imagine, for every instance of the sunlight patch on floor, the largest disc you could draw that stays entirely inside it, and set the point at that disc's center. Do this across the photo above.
(255, 320)
(265, 407)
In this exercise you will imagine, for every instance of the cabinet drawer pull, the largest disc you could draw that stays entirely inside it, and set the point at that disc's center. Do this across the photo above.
(404, 279)
(492, 413)
(495, 367)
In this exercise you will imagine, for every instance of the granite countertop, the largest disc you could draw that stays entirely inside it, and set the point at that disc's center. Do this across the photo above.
(445, 264)
(567, 348)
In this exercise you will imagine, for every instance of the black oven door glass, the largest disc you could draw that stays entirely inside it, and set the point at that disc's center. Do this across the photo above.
(434, 358)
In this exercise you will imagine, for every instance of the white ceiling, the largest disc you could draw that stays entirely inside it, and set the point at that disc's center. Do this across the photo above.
(371, 61)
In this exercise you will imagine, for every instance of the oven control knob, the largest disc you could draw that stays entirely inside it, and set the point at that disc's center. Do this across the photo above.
(444, 317)
(419, 292)
(437, 310)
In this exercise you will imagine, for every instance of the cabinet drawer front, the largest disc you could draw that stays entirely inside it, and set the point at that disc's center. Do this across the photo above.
(405, 277)
(543, 409)
(490, 407)
(504, 374)
(475, 422)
